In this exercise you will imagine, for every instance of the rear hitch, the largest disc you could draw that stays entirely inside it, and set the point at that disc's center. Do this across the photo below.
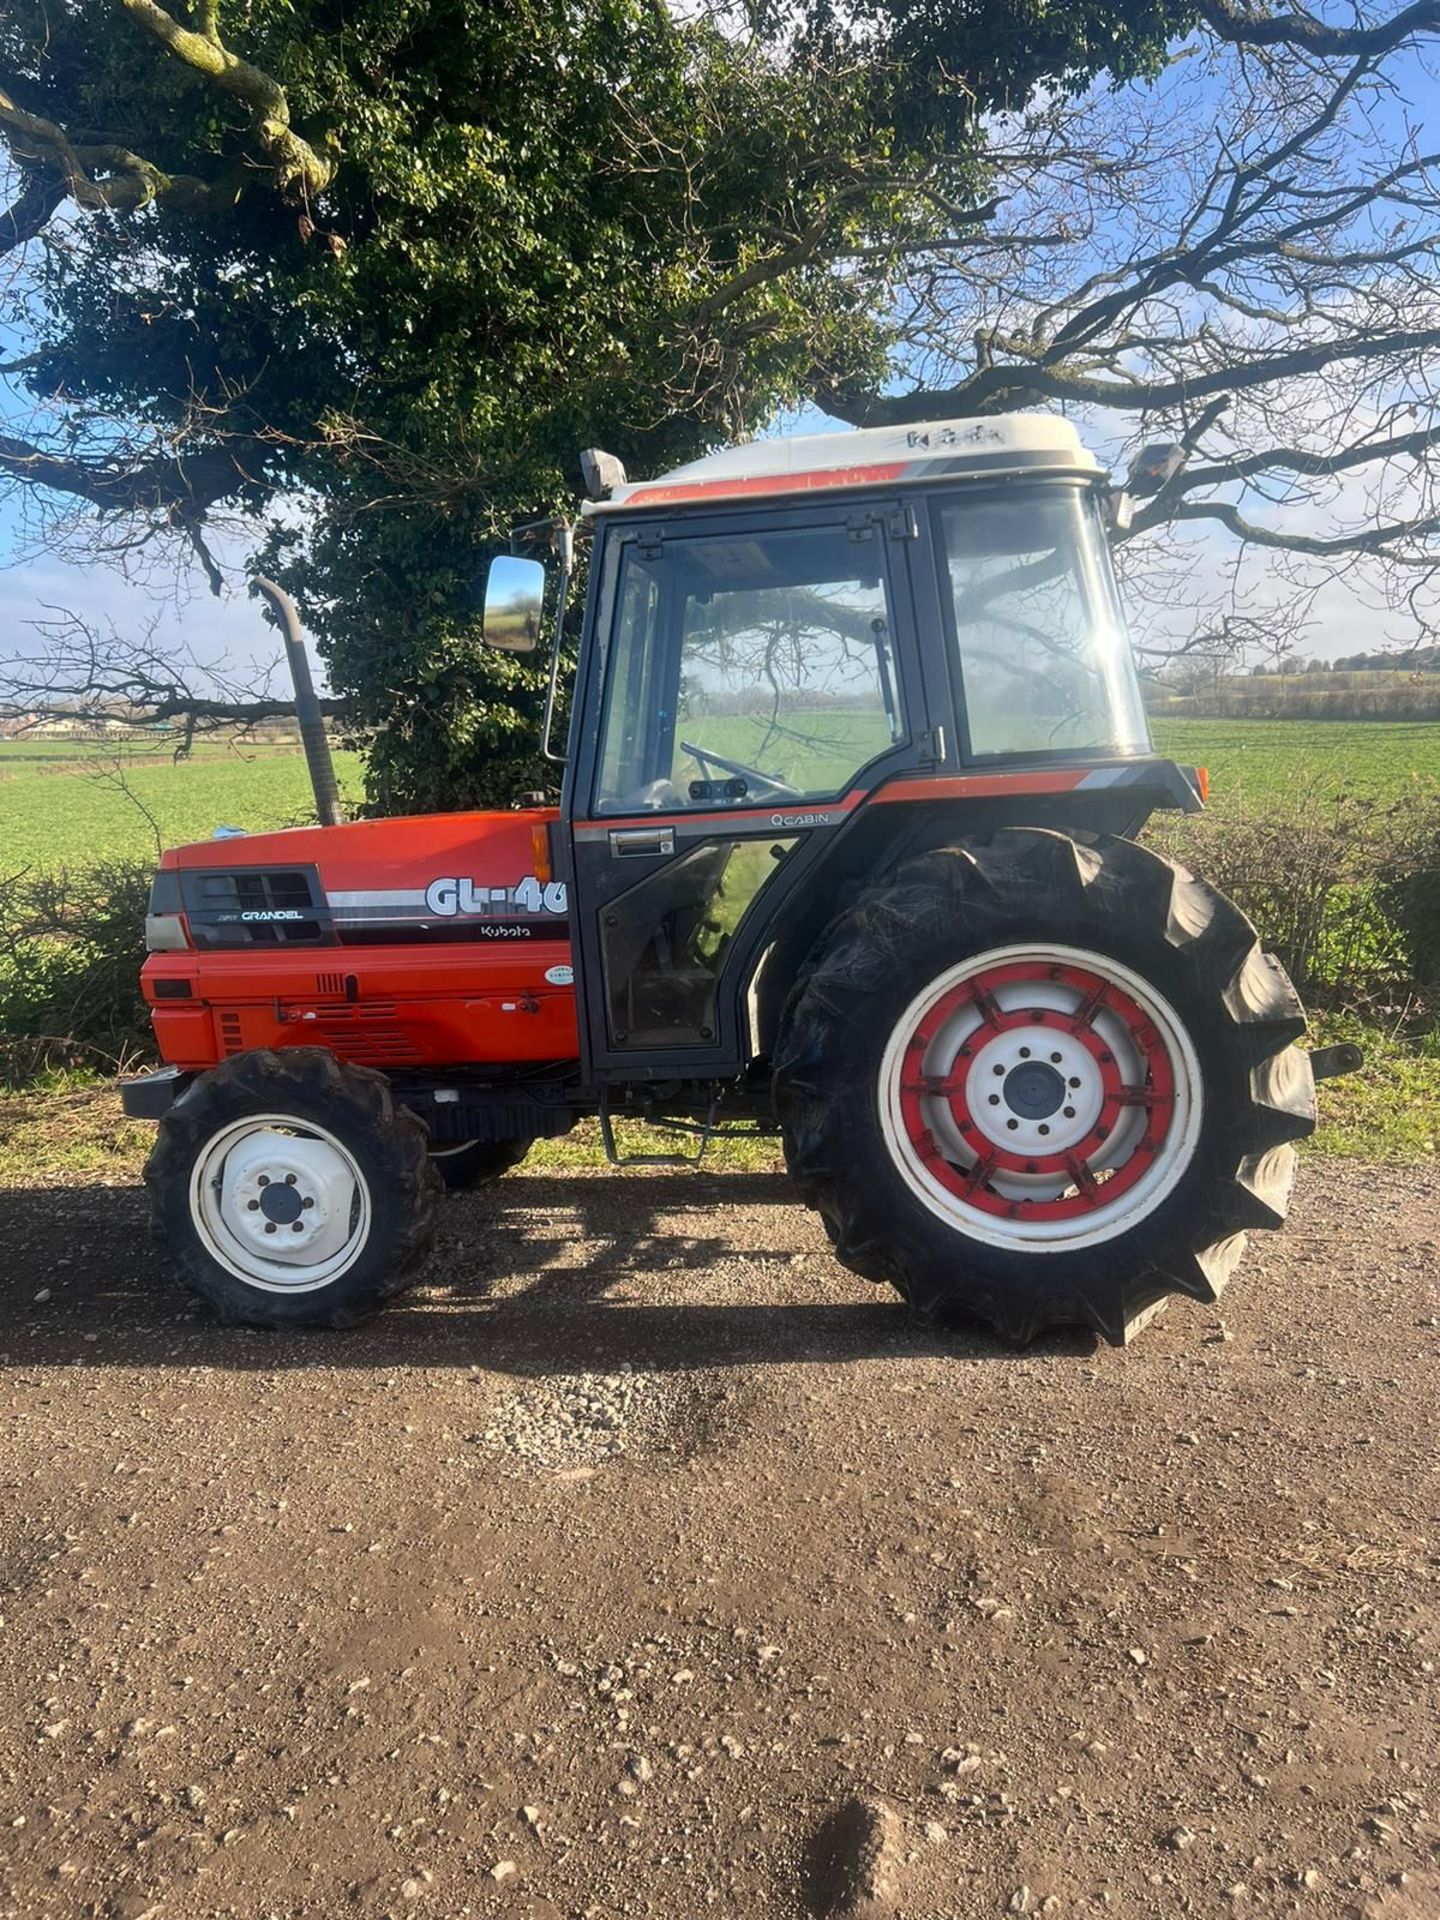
(1328, 1063)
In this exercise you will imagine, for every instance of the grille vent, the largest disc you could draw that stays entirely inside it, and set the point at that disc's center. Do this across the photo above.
(371, 1034)
(256, 907)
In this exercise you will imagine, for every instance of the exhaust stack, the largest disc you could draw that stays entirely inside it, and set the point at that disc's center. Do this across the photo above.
(307, 706)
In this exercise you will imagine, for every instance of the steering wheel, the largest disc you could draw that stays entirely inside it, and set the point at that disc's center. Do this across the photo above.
(707, 758)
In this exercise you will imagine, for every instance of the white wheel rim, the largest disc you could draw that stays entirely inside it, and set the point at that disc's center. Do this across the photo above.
(965, 1101)
(280, 1204)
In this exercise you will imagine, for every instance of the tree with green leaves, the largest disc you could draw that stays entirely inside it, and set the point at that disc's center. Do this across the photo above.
(360, 281)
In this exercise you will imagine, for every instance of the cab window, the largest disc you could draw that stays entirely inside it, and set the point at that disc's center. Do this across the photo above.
(748, 668)
(1044, 661)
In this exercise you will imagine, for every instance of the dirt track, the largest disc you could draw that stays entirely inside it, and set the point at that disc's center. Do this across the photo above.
(300, 1626)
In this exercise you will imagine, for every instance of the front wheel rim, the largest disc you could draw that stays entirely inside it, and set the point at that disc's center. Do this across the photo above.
(1040, 1098)
(281, 1204)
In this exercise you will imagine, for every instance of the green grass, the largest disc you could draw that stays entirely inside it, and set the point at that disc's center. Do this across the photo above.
(65, 804)
(1390, 1110)
(1262, 761)
(581, 1151)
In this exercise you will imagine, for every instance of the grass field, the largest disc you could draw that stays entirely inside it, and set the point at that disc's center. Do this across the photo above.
(62, 803)
(1262, 761)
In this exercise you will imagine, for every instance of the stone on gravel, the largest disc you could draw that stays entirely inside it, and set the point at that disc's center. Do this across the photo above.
(856, 1861)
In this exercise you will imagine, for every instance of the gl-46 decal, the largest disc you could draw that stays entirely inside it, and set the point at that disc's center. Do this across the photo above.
(462, 898)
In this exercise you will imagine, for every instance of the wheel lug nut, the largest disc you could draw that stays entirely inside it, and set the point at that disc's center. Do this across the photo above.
(1013, 1124)
(308, 1201)
(1074, 1080)
(1024, 1053)
(297, 1226)
(1069, 1113)
(254, 1205)
(1043, 1127)
(1056, 1058)
(289, 1179)
(270, 1226)
(264, 1180)
(999, 1069)
(994, 1099)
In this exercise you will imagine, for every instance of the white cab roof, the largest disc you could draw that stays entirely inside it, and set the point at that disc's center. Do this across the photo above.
(867, 457)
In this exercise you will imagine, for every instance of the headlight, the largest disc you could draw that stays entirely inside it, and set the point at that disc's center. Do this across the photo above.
(164, 921)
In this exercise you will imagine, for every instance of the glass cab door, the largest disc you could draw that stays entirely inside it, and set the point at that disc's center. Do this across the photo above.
(749, 682)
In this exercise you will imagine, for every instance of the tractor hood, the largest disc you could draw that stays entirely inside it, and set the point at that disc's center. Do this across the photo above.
(467, 875)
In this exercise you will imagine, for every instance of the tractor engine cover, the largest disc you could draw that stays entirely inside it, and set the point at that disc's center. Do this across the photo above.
(406, 943)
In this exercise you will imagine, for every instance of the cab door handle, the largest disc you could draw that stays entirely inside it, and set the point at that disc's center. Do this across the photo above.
(642, 840)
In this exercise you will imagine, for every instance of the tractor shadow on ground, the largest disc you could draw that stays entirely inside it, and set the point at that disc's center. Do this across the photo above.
(535, 1276)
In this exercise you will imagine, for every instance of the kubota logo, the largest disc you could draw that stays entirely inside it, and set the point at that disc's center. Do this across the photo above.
(450, 899)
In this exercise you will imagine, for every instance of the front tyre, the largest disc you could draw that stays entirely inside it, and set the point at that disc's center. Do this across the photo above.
(1043, 1084)
(292, 1191)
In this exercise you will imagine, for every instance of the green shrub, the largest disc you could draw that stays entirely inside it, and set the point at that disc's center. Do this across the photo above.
(1345, 891)
(71, 948)
(1410, 894)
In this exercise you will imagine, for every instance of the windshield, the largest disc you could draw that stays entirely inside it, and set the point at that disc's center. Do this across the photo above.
(753, 667)
(1044, 662)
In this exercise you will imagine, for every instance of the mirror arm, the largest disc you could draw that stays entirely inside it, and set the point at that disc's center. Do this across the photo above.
(564, 541)
(1118, 512)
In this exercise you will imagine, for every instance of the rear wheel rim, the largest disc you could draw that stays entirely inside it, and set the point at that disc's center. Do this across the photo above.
(281, 1204)
(1040, 1098)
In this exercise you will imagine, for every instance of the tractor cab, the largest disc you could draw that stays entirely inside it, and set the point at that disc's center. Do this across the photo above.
(783, 637)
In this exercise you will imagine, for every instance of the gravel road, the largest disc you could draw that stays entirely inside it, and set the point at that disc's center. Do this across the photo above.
(645, 1563)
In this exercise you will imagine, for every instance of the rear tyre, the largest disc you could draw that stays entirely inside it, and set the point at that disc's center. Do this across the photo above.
(292, 1191)
(1043, 1083)
(476, 1163)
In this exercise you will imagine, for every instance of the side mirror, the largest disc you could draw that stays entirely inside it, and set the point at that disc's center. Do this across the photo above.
(514, 594)
(1153, 467)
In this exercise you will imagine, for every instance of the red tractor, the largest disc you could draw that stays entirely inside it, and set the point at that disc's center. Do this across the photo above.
(845, 847)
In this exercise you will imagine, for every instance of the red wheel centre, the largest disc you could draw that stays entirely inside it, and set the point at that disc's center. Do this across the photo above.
(1037, 1091)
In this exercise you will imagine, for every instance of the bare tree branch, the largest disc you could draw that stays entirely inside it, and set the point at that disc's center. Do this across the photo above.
(105, 682)
(1242, 28)
(40, 195)
(300, 171)
(98, 175)
(182, 484)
